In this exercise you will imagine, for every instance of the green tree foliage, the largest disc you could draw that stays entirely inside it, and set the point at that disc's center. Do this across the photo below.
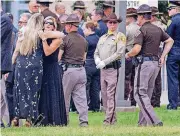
(163, 6)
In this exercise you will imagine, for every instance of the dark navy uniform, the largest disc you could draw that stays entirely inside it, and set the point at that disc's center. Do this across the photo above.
(173, 62)
(102, 28)
(93, 74)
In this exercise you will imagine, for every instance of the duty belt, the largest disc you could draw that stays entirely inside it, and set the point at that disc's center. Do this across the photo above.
(74, 65)
(116, 65)
(151, 58)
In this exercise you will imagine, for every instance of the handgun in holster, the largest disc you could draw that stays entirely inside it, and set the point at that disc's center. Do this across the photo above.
(137, 60)
(64, 66)
(117, 64)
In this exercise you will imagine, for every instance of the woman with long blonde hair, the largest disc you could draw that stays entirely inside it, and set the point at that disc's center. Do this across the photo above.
(28, 57)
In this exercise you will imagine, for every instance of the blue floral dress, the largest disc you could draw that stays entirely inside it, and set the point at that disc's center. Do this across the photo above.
(28, 80)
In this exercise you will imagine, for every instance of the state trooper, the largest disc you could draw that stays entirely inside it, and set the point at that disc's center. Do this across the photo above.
(131, 29)
(155, 100)
(109, 49)
(74, 49)
(173, 59)
(146, 45)
(108, 7)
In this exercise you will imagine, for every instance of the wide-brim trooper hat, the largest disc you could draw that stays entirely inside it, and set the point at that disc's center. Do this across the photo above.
(108, 3)
(155, 11)
(173, 4)
(131, 12)
(79, 4)
(72, 19)
(144, 8)
(113, 17)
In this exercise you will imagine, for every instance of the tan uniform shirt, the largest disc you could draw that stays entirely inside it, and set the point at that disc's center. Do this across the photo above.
(131, 30)
(160, 24)
(110, 47)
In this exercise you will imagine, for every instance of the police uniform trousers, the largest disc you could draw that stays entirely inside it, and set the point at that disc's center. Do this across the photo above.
(92, 85)
(173, 64)
(145, 77)
(74, 84)
(155, 100)
(109, 78)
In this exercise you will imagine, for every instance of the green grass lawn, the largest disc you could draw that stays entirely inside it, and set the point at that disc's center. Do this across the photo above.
(126, 126)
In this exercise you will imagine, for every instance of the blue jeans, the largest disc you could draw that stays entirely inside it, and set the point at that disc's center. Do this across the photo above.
(92, 85)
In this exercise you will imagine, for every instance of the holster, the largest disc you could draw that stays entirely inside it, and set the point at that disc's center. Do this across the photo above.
(116, 64)
(137, 60)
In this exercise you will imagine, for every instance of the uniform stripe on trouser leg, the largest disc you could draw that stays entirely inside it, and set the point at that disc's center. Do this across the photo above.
(141, 100)
(115, 98)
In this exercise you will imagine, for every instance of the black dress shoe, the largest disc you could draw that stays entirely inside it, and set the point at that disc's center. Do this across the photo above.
(169, 107)
(2, 125)
(160, 124)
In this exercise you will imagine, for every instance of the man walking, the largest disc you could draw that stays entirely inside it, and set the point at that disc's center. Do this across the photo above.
(146, 45)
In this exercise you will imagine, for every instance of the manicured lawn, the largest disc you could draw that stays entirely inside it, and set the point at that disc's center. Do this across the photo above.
(126, 126)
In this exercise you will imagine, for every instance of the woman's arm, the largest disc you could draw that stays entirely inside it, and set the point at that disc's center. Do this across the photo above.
(60, 54)
(16, 51)
(48, 50)
(53, 34)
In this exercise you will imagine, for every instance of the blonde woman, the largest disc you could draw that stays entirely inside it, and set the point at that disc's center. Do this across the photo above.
(29, 71)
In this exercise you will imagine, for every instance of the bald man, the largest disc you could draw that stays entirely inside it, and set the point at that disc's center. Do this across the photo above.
(60, 9)
(33, 7)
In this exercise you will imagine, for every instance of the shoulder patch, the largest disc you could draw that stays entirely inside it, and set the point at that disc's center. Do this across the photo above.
(121, 37)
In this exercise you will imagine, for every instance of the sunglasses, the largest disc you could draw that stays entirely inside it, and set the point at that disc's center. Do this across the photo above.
(21, 22)
(50, 23)
(112, 22)
(170, 8)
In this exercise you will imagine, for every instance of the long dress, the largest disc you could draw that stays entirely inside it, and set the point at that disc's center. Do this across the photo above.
(27, 84)
(52, 104)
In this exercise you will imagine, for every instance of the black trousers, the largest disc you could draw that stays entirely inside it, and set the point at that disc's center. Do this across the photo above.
(10, 99)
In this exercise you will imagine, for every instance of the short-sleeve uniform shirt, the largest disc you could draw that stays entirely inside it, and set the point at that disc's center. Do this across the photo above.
(74, 47)
(149, 37)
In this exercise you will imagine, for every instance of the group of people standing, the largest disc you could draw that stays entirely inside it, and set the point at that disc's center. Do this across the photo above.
(53, 69)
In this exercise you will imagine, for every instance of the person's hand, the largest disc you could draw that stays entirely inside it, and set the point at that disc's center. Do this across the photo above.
(41, 35)
(97, 60)
(161, 61)
(101, 65)
(6, 76)
(127, 56)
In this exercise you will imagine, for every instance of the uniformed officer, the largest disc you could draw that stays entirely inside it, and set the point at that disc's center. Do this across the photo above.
(79, 5)
(74, 50)
(173, 60)
(131, 29)
(146, 45)
(109, 49)
(108, 7)
(155, 100)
